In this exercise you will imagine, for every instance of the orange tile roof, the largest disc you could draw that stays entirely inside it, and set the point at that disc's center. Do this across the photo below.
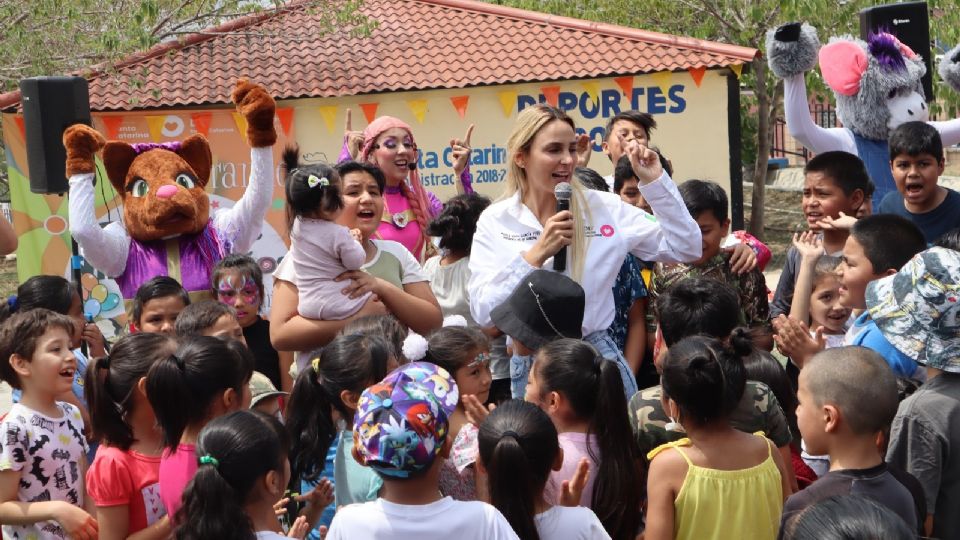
(417, 45)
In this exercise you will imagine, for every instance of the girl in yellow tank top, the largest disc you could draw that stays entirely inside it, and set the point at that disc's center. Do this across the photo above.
(719, 483)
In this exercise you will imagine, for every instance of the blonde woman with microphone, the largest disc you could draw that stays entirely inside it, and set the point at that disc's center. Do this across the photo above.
(524, 231)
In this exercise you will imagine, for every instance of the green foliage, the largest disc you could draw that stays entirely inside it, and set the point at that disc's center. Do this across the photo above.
(57, 37)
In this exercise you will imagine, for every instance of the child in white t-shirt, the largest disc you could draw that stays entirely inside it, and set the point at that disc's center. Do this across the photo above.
(518, 449)
(320, 249)
(399, 430)
(42, 446)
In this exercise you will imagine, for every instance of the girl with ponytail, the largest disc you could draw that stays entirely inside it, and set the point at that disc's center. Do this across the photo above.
(518, 449)
(320, 411)
(123, 479)
(583, 396)
(205, 378)
(242, 471)
(718, 481)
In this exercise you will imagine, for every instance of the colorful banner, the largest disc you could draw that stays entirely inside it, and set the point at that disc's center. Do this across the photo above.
(691, 130)
(329, 115)
(697, 75)
(662, 79)
(41, 220)
(460, 105)
(625, 84)
(419, 109)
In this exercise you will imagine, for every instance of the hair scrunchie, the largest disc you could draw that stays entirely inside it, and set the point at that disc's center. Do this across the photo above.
(209, 460)
(13, 303)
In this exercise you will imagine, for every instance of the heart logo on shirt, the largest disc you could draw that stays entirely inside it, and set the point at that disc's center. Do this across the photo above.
(606, 231)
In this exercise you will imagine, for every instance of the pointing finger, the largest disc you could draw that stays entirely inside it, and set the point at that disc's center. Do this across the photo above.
(348, 123)
(466, 138)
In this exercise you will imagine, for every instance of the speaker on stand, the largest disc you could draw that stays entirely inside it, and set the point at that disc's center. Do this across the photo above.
(50, 106)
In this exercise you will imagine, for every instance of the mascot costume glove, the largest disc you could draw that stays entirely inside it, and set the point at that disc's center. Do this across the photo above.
(877, 87)
(167, 227)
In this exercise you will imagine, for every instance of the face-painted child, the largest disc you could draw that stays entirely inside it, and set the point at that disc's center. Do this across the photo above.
(238, 282)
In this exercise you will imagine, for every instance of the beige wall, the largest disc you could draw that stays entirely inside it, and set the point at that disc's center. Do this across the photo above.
(692, 123)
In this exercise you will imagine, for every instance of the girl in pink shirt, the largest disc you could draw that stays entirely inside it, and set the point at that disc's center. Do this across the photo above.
(583, 395)
(205, 378)
(123, 479)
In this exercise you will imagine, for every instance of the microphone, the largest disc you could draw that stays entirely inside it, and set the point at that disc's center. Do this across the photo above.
(413, 164)
(562, 192)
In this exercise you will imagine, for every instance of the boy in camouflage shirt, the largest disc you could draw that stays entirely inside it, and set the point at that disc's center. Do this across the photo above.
(701, 306)
(707, 204)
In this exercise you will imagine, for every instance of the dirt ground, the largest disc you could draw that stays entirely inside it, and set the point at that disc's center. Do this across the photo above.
(783, 218)
(8, 277)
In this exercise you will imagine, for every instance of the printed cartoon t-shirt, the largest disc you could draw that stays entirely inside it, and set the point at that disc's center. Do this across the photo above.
(131, 479)
(47, 452)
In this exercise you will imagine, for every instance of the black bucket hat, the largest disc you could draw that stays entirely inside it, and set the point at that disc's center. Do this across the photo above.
(545, 306)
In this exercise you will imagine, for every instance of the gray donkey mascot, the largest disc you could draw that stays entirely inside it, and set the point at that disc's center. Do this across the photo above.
(877, 88)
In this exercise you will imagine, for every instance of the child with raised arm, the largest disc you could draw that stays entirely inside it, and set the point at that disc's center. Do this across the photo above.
(42, 447)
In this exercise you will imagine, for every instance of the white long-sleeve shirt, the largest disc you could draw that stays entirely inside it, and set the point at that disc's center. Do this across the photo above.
(507, 229)
(818, 139)
(106, 248)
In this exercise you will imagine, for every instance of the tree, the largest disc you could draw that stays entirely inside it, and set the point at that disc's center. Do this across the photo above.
(56, 37)
(745, 22)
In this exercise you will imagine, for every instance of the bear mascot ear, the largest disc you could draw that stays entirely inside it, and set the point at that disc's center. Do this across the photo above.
(843, 64)
(195, 150)
(117, 157)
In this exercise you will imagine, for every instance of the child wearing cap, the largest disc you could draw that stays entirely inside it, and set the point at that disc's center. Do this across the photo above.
(265, 397)
(916, 310)
(543, 307)
(399, 430)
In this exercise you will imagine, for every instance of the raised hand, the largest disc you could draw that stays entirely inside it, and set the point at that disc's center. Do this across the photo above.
(354, 139)
(841, 222)
(256, 105)
(644, 162)
(809, 245)
(572, 489)
(82, 143)
(793, 339)
(584, 149)
(476, 412)
(460, 150)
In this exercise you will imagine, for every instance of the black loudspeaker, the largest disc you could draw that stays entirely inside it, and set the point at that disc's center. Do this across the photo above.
(908, 21)
(50, 106)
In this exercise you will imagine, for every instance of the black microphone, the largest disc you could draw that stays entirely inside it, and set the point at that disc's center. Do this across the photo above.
(562, 192)
(413, 164)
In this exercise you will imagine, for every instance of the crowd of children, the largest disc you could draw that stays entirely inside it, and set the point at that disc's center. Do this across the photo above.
(198, 423)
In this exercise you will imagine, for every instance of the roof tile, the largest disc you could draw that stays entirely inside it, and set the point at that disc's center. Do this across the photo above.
(418, 44)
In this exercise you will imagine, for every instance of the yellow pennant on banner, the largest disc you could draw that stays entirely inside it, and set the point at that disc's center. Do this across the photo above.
(592, 89)
(329, 114)
(662, 79)
(737, 69)
(508, 101)
(155, 126)
(241, 122)
(419, 108)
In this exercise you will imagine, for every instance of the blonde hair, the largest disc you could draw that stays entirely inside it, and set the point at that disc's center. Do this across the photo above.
(529, 123)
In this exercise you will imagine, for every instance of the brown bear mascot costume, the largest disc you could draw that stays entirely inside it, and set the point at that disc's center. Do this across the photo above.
(167, 228)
